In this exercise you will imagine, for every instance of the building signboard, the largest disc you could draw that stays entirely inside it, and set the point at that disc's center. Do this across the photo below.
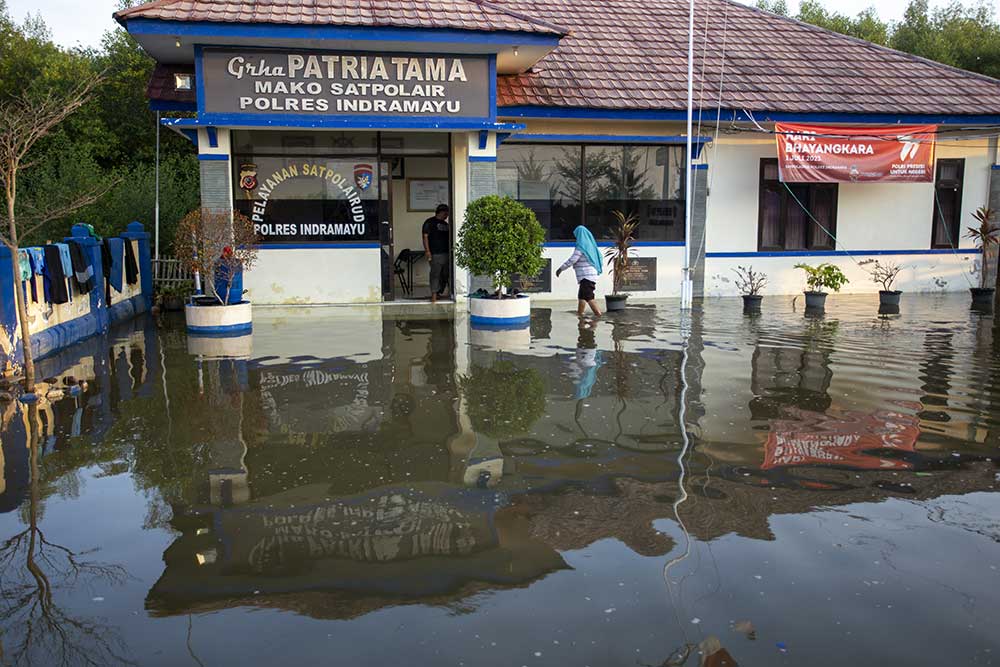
(537, 284)
(321, 83)
(640, 276)
(829, 154)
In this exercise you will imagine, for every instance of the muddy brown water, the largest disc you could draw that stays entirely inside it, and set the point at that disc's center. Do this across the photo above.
(387, 486)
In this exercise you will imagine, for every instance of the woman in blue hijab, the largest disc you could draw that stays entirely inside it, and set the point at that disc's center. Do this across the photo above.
(586, 263)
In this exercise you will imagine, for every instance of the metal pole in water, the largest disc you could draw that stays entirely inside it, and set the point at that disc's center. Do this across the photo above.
(156, 209)
(687, 287)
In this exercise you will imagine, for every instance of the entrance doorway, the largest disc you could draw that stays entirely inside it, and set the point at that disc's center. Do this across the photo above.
(420, 180)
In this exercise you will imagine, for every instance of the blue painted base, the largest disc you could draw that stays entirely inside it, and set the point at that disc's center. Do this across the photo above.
(223, 331)
(63, 335)
(499, 323)
(126, 310)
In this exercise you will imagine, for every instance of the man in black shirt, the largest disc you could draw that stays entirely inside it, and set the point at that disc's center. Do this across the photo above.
(437, 249)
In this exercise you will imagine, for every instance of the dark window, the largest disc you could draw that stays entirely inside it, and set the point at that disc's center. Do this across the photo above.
(948, 203)
(570, 185)
(795, 216)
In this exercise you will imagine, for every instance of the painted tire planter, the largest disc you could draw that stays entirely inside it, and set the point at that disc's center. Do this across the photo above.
(512, 313)
(816, 300)
(615, 302)
(982, 296)
(232, 320)
(889, 298)
(220, 347)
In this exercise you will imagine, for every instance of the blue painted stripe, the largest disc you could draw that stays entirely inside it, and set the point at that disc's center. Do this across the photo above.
(731, 115)
(995, 167)
(613, 138)
(222, 331)
(699, 167)
(192, 135)
(210, 157)
(501, 322)
(141, 26)
(608, 244)
(213, 137)
(844, 253)
(341, 122)
(317, 246)
(482, 158)
(166, 105)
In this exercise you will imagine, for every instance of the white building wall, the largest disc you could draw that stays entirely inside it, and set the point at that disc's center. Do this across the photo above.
(870, 218)
(669, 265)
(299, 276)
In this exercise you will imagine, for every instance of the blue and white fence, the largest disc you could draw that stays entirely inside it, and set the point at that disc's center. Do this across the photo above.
(55, 326)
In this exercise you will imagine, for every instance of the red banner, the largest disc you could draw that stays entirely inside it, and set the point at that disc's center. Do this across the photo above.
(827, 154)
(851, 439)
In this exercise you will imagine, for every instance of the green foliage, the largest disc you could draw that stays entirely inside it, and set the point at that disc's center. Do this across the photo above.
(826, 275)
(500, 237)
(773, 6)
(622, 239)
(503, 400)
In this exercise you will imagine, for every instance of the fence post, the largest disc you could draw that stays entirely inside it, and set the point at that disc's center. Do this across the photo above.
(98, 307)
(135, 231)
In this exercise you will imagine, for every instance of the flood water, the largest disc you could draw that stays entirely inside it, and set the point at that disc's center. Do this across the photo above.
(382, 487)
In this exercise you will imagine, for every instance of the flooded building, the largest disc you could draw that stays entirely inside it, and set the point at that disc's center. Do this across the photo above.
(339, 128)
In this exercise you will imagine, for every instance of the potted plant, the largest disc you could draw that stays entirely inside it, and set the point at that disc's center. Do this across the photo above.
(219, 246)
(819, 278)
(501, 237)
(985, 235)
(172, 297)
(884, 274)
(618, 257)
(750, 283)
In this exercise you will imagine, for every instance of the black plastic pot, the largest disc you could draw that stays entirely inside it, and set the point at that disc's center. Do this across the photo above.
(890, 298)
(982, 296)
(615, 301)
(751, 302)
(815, 300)
(888, 309)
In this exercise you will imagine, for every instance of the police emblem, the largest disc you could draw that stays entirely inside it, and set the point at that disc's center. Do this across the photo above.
(248, 176)
(363, 176)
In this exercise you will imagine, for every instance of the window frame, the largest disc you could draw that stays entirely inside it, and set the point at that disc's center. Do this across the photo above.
(786, 200)
(936, 208)
(583, 146)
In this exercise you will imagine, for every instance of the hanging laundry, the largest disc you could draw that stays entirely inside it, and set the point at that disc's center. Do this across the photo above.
(131, 264)
(55, 279)
(37, 257)
(24, 263)
(116, 248)
(83, 271)
(67, 263)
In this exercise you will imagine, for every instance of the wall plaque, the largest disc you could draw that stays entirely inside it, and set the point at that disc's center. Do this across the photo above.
(640, 275)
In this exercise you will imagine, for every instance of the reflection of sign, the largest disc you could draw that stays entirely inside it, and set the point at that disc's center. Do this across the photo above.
(310, 200)
(825, 154)
(311, 83)
(540, 283)
(853, 440)
(426, 194)
(640, 275)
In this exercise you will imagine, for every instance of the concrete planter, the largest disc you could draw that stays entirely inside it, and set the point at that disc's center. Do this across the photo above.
(815, 300)
(512, 313)
(220, 347)
(232, 320)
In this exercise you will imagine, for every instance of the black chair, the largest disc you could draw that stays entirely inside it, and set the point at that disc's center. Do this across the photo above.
(400, 268)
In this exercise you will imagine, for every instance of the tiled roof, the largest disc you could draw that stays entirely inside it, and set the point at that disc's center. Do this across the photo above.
(435, 14)
(632, 54)
(161, 84)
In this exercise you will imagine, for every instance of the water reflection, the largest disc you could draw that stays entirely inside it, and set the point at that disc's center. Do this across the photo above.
(363, 466)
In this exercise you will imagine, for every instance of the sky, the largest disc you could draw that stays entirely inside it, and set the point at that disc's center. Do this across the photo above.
(83, 22)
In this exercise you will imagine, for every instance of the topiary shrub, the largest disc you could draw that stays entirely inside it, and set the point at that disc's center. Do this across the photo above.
(499, 238)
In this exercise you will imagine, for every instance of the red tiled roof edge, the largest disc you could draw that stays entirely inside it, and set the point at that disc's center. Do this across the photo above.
(122, 14)
(522, 16)
(862, 42)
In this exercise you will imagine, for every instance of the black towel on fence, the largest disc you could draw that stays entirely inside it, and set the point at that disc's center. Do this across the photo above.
(106, 267)
(82, 270)
(54, 276)
(131, 264)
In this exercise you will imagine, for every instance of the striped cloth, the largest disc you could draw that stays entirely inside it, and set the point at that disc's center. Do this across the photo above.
(581, 266)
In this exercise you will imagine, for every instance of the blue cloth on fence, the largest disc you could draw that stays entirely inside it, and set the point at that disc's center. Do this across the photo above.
(24, 263)
(67, 262)
(37, 258)
(117, 248)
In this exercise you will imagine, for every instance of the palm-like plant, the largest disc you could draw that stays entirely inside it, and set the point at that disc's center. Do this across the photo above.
(984, 235)
(623, 240)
